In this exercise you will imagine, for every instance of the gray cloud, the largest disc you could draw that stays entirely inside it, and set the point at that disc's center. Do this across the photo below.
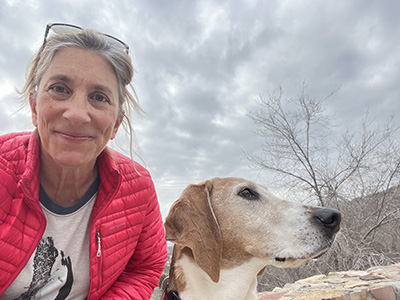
(202, 64)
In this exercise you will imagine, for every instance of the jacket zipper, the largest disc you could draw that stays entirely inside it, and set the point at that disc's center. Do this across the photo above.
(98, 239)
(99, 257)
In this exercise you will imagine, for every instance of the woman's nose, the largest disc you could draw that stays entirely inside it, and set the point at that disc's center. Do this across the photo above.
(77, 110)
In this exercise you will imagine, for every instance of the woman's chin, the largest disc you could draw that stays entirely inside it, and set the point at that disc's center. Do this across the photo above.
(72, 159)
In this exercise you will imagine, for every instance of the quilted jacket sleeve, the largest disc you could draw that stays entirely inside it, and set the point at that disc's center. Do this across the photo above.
(144, 269)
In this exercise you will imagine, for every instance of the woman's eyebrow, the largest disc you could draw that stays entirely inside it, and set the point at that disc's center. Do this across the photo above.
(102, 88)
(61, 77)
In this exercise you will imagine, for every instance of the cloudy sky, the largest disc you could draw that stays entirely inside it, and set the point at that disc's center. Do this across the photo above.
(201, 65)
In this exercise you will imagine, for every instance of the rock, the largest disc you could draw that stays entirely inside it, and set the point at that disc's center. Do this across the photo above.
(315, 295)
(378, 283)
(385, 292)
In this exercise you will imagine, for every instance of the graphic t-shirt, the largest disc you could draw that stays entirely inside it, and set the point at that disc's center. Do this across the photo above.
(59, 267)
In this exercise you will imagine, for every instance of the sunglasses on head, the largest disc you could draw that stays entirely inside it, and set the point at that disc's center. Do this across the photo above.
(62, 28)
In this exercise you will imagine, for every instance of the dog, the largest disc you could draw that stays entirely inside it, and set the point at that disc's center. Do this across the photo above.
(227, 230)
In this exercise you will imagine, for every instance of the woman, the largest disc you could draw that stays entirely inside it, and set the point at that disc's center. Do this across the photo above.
(77, 219)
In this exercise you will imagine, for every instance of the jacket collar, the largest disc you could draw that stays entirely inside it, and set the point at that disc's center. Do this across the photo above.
(30, 179)
(110, 180)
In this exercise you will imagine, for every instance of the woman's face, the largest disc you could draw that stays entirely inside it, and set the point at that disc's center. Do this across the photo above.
(76, 108)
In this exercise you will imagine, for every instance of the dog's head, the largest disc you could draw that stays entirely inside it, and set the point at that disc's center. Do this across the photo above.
(228, 221)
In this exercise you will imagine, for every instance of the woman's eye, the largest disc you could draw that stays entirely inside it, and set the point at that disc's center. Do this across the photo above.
(100, 98)
(58, 89)
(59, 92)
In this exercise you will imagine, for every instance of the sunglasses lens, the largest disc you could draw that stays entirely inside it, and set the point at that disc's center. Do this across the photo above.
(117, 43)
(62, 29)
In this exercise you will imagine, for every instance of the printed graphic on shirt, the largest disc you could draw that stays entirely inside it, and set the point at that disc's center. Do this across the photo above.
(48, 283)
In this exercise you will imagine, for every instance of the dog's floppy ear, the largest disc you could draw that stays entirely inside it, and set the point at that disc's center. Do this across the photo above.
(191, 223)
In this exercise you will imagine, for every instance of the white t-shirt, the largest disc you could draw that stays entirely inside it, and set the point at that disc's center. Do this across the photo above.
(59, 267)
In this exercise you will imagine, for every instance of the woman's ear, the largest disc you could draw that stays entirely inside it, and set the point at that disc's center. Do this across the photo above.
(33, 105)
(117, 124)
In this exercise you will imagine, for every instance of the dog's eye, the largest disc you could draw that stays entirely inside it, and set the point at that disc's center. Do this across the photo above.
(248, 194)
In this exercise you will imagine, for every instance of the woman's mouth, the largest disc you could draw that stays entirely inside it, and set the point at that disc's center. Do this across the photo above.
(78, 137)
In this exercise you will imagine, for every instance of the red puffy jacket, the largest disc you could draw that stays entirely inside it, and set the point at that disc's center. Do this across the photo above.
(126, 218)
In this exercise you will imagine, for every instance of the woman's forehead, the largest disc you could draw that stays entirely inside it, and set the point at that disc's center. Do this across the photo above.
(80, 65)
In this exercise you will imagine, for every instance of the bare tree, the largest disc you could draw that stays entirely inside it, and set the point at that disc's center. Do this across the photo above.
(357, 172)
(296, 132)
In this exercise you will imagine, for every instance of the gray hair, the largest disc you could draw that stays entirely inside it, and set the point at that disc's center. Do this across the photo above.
(95, 41)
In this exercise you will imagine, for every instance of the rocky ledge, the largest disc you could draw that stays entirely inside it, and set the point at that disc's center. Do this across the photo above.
(377, 283)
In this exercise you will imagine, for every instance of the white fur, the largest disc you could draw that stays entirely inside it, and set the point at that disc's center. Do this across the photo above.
(235, 283)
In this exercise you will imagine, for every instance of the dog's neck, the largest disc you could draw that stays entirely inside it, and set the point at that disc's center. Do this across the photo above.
(192, 283)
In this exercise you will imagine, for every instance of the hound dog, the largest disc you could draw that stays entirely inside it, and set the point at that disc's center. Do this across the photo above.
(227, 230)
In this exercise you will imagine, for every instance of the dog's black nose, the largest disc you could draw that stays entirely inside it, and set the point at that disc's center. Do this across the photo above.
(328, 219)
